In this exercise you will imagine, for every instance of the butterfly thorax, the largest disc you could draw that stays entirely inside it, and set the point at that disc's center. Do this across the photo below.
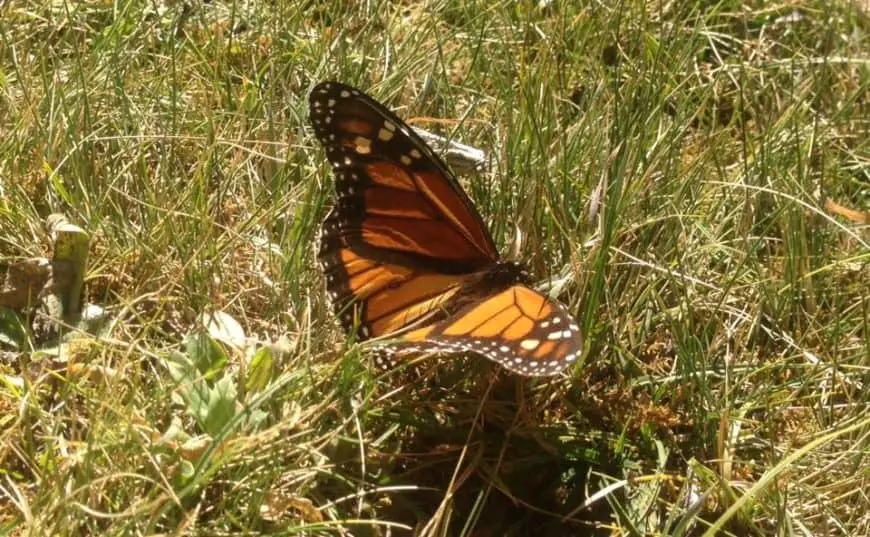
(498, 277)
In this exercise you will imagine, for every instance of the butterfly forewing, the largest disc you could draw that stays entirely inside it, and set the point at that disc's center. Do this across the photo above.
(394, 195)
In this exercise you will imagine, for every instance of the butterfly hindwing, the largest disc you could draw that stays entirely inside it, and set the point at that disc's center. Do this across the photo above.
(519, 328)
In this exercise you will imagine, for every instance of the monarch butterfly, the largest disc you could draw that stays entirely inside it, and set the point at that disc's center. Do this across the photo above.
(404, 251)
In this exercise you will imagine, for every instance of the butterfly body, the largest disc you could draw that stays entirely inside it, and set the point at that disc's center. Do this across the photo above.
(497, 277)
(405, 253)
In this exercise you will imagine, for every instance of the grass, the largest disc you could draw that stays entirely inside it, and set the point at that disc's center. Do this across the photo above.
(665, 165)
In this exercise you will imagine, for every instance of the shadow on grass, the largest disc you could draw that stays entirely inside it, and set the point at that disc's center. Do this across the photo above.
(503, 445)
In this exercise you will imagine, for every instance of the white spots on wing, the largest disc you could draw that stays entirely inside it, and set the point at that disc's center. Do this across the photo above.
(416, 154)
(557, 320)
(505, 355)
(345, 94)
(385, 135)
(406, 160)
(330, 103)
(545, 324)
(566, 333)
(348, 161)
(390, 126)
(530, 344)
(362, 145)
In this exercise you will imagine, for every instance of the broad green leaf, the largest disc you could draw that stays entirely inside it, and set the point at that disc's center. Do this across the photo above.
(221, 405)
(259, 370)
(206, 353)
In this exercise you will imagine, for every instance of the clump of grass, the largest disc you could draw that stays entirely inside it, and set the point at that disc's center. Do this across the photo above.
(666, 166)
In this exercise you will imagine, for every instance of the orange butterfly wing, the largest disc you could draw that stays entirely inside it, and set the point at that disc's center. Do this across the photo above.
(518, 328)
